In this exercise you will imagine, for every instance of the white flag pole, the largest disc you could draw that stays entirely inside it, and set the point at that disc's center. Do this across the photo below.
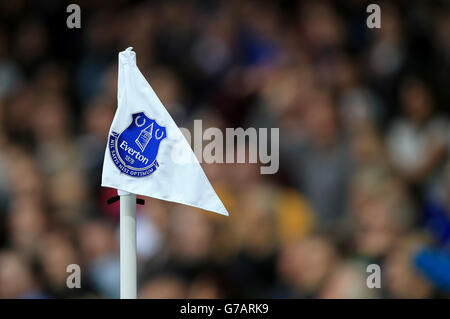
(128, 276)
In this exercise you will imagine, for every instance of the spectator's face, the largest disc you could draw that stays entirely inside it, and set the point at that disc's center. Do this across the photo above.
(97, 240)
(17, 112)
(191, 235)
(375, 231)
(322, 121)
(322, 27)
(31, 41)
(307, 264)
(366, 148)
(27, 223)
(242, 176)
(204, 288)
(50, 121)
(24, 176)
(255, 223)
(391, 28)
(363, 188)
(402, 280)
(165, 287)
(56, 254)
(67, 199)
(442, 30)
(416, 102)
(347, 282)
(51, 79)
(15, 276)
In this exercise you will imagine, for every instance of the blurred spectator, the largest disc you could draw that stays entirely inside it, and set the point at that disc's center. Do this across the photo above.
(403, 278)
(306, 265)
(322, 165)
(348, 282)
(163, 287)
(418, 143)
(16, 278)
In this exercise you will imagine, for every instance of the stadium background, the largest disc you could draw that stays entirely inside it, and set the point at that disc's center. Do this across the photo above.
(364, 141)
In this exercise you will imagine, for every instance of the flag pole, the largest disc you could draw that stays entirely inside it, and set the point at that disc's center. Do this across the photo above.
(128, 276)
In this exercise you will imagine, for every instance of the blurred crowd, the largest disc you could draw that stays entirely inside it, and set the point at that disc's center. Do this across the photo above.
(364, 148)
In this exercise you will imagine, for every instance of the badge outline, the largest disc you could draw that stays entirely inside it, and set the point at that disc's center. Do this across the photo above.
(117, 136)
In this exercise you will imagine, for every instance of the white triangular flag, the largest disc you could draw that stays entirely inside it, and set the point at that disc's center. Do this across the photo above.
(139, 156)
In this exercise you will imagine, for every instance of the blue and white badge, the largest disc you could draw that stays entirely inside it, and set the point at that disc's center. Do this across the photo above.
(134, 150)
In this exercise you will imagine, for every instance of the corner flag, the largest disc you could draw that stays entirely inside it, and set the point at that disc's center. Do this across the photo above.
(142, 138)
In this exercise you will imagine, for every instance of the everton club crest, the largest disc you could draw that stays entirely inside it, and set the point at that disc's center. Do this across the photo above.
(134, 150)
